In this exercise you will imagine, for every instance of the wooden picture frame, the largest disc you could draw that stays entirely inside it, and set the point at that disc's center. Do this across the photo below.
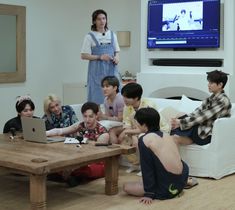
(19, 73)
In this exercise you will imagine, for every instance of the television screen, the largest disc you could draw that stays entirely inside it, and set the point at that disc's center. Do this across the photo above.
(183, 24)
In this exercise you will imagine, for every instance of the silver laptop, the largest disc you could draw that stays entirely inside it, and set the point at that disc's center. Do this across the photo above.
(34, 130)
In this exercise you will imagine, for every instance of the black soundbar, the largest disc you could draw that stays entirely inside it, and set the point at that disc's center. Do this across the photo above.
(188, 62)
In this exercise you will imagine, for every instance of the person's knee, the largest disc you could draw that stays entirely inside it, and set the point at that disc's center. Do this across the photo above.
(135, 144)
(113, 138)
(176, 139)
(182, 140)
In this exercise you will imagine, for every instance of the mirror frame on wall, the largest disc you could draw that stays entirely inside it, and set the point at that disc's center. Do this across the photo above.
(18, 75)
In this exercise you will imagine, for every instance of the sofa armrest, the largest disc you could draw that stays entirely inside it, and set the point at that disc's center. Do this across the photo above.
(223, 135)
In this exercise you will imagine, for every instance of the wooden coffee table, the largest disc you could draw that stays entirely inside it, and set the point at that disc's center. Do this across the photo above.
(38, 160)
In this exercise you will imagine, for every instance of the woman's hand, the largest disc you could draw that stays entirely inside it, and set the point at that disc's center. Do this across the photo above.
(116, 59)
(106, 57)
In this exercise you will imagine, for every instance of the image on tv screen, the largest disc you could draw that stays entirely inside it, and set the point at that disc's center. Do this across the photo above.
(182, 16)
(183, 24)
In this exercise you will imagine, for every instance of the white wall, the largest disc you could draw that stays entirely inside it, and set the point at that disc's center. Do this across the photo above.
(54, 35)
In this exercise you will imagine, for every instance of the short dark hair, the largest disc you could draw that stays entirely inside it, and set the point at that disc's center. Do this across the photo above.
(111, 80)
(132, 90)
(217, 77)
(148, 116)
(20, 106)
(94, 17)
(90, 105)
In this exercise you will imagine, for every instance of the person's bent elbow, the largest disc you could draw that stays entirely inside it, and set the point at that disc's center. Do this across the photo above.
(83, 56)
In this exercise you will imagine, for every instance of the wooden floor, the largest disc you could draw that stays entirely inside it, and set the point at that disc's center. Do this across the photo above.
(208, 195)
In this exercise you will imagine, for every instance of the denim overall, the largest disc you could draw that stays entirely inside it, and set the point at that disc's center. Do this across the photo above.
(98, 69)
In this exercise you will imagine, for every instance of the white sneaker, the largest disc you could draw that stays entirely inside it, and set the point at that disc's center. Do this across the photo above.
(133, 168)
(139, 173)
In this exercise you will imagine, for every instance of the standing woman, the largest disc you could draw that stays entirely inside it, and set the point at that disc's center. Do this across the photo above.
(101, 48)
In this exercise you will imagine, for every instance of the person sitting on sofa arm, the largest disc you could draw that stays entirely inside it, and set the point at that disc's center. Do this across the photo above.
(197, 126)
(90, 128)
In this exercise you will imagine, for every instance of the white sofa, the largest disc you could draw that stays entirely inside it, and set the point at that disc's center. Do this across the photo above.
(214, 160)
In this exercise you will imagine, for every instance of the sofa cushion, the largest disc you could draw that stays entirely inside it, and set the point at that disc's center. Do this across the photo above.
(187, 105)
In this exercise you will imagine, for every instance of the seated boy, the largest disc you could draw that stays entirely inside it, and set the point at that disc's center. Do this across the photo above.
(132, 93)
(197, 126)
(164, 174)
(89, 128)
(113, 105)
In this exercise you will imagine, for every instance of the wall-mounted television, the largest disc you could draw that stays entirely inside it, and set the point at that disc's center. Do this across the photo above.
(183, 24)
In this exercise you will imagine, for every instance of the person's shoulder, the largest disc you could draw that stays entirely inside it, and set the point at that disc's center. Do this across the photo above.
(119, 95)
(109, 32)
(13, 122)
(151, 138)
(88, 35)
(12, 119)
(119, 98)
(105, 99)
(223, 97)
(145, 102)
(67, 108)
(227, 101)
(226, 97)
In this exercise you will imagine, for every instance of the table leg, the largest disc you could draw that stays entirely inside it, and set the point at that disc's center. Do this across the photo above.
(38, 192)
(111, 175)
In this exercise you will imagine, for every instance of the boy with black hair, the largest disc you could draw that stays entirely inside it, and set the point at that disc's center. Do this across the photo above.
(113, 105)
(197, 126)
(90, 128)
(164, 174)
(25, 108)
(132, 95)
